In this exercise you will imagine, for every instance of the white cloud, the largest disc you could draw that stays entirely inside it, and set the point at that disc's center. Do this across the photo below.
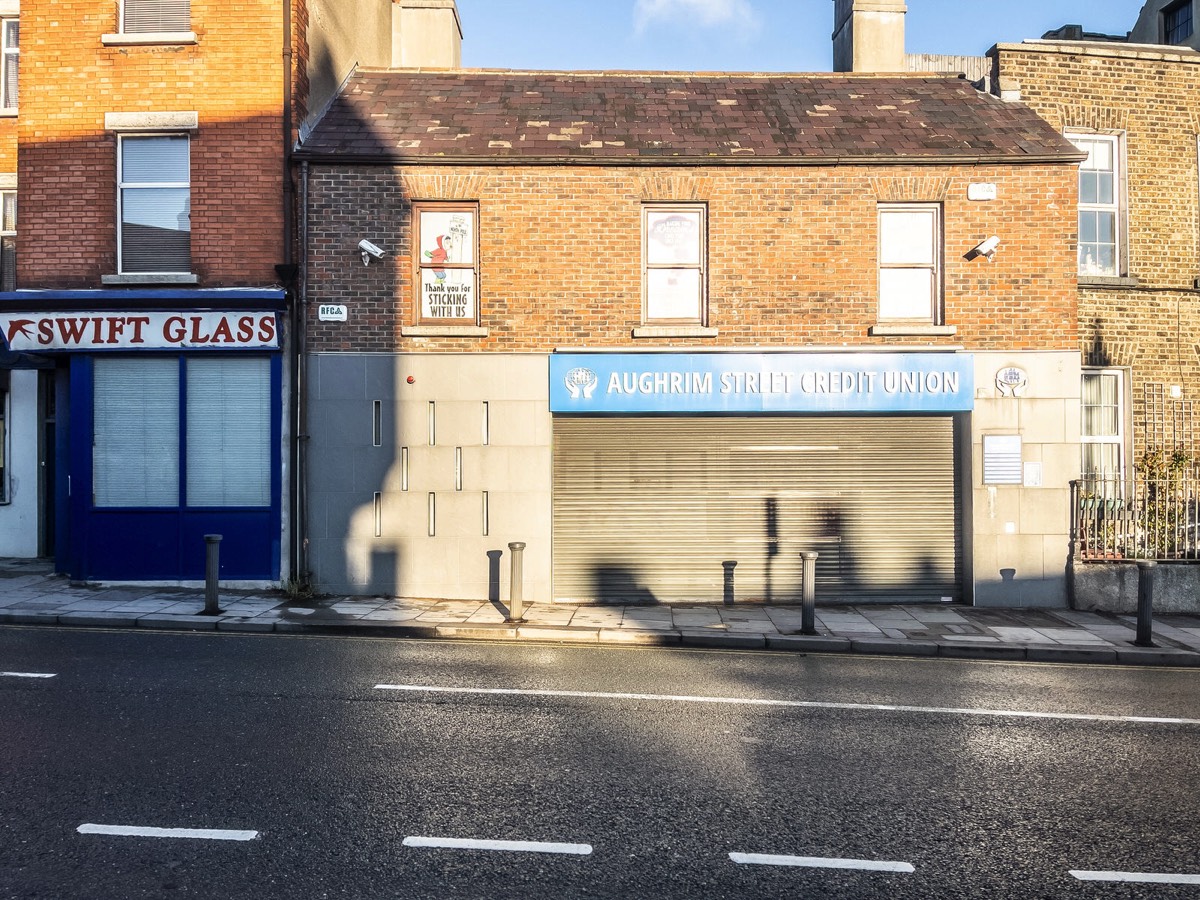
(738, 14)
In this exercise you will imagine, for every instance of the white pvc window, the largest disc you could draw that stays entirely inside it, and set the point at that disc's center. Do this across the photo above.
(674, 241)
(909, 262)
(228, 432)
(8, 240)
(151, 16)
(1102, 422)
(1099, 205)
(135, 432)
(155, 200)
(9, 49)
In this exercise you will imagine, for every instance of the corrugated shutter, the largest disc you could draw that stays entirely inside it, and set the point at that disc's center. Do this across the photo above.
(647, 509)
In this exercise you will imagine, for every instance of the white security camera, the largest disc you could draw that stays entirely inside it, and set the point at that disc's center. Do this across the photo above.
(368, 250)
(988, 248)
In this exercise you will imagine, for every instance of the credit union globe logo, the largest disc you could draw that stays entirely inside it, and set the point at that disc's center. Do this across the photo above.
(580, 383)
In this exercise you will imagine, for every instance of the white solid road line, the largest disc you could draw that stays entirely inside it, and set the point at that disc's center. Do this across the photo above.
(27, 675)
(1135, 877)
(800, 704)
(820, 862)
(516, 846)
(206, 834)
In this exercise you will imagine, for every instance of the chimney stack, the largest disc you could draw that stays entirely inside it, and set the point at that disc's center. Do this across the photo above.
(868, 35)
(426, 34)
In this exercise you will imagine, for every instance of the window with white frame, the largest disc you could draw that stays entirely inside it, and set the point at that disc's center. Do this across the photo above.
(153, 16)
(910, 283)
(1177, 22)
(155, 204)
(8, 240)
(170, 432)
(674, 277)
(1099, 205)
(9, 48)
(1102, 423)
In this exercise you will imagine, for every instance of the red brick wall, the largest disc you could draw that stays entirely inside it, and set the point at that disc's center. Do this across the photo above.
(232, 77)
(791, 253)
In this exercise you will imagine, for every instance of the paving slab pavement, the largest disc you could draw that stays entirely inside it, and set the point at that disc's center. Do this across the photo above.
(32, 595)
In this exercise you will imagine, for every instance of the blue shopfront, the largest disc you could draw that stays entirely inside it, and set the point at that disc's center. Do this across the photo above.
(166, 425)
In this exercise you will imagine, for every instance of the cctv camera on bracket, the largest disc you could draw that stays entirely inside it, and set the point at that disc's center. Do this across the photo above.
(368, 250)
(984, 248)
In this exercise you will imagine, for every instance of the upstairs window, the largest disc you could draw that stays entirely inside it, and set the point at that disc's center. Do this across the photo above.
(446, 265)
(1177, 22)
(910, 281)
(8, 240)
(155, 233)
(154, 16)
(674, 242)
(9, 34)
(1099, 205)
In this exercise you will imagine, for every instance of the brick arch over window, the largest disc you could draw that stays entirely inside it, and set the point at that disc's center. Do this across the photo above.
(1088, 118)
(661, 186)
(910, 189)
(444, 187)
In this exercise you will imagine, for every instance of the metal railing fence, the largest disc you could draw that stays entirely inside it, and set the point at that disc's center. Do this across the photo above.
(1138, 515)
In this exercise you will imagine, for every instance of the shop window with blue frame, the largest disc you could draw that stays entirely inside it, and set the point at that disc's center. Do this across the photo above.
(196, 434)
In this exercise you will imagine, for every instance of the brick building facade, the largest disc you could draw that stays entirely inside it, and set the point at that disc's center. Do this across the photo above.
(1137, 107)
(897, 393)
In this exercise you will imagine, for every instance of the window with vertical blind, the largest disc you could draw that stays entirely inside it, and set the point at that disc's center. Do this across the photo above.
(9, 35)
(149, 16)
(135, 432)
(195, 432)
(155, 200)
(228, 432)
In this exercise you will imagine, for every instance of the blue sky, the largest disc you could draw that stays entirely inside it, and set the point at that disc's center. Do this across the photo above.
(743, 35)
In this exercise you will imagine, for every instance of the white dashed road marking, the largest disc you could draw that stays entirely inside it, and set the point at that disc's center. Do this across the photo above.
(27, 675)
(445, 843)
(797, 704)
(1135, 877)
(205, 834)
(820, 862)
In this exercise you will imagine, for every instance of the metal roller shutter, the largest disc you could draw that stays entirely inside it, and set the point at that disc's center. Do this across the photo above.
(648, 509)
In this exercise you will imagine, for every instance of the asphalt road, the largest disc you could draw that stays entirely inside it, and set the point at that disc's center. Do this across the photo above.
(638, 773)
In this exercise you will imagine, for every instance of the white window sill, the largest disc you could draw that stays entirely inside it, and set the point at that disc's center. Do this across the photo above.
(9, 113)
(915, 329)
(148, 37)
(674, 331)
(144, 278)
(466, 331)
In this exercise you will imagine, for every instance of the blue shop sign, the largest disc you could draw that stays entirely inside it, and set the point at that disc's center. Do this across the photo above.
(761, 382)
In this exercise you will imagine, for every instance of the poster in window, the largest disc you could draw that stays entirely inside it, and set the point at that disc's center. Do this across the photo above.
(673, 237)
(448, 294)
(448, 238)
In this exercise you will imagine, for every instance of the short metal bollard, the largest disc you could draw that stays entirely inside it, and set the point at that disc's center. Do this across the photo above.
(727, 594)
(808, 615)
(1145, 607)
(212, 573)
(516, 599)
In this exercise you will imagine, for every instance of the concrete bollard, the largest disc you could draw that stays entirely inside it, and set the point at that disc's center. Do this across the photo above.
(727, 594)
(808, 615)
(1145, 606)
(212, 573)
(516, 599)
